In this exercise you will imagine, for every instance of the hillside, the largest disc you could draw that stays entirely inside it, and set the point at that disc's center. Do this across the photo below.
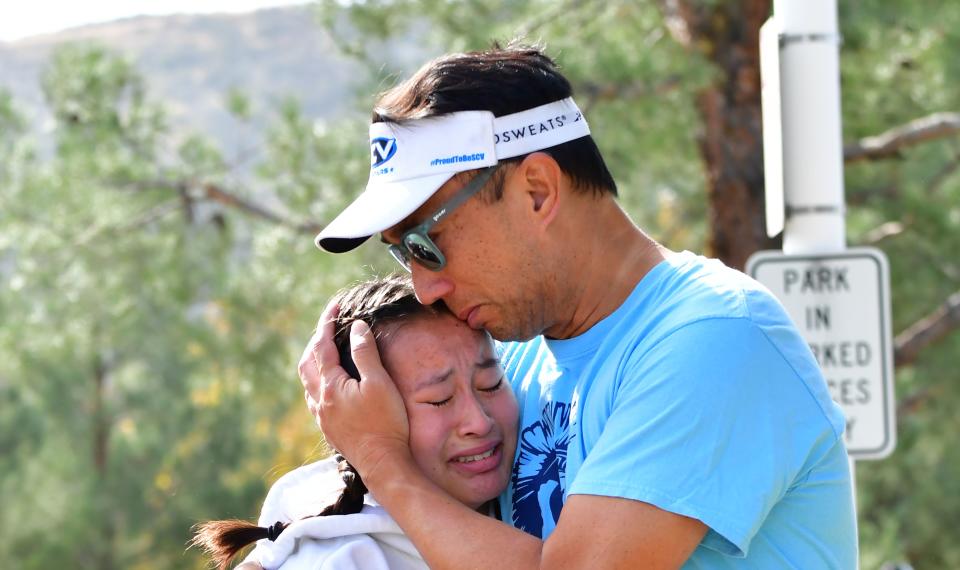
(191, 61)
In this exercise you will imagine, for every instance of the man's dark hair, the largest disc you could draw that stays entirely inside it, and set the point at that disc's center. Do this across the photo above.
(503, 81)
(380, 302)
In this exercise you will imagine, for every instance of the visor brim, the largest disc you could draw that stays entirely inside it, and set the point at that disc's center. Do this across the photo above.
(378, 208)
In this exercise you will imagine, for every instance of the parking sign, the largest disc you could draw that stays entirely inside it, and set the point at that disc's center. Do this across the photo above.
(840, 302)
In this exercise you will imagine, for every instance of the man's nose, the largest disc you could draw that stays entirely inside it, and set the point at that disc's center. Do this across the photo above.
(430, 286)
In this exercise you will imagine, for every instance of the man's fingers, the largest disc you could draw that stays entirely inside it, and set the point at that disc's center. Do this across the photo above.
(319, 365)
(328, 319)
(363, 347)
(357, 417)
(308, 362)
(321, 349)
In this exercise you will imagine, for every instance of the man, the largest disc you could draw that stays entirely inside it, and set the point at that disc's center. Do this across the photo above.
(671, 415)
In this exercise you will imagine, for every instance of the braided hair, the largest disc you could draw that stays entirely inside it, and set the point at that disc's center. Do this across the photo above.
(379, 302)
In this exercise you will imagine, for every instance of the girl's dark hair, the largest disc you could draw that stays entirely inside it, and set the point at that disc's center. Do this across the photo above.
(502, 80)
(379, 302)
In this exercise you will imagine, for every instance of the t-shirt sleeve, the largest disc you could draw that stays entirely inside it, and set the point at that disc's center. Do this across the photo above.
(712, 423)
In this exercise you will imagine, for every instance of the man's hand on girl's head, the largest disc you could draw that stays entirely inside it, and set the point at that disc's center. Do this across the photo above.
(364, 420)
(369, 413)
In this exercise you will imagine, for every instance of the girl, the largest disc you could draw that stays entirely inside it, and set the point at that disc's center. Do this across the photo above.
(463, 432)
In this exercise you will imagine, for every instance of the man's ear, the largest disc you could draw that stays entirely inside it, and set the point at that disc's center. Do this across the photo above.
(543, 181)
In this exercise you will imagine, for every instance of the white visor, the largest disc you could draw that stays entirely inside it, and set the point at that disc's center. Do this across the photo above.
(411, 160)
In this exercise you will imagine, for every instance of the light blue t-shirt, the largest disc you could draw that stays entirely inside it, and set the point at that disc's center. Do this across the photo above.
(697, 395)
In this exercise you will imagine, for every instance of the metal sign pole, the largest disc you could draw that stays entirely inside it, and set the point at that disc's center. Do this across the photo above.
(809, 52)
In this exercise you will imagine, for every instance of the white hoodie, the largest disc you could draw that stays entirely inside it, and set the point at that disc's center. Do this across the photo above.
(368, 540)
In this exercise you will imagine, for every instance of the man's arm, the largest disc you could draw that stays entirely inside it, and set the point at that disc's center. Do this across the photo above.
(366, 422)
(593, 531)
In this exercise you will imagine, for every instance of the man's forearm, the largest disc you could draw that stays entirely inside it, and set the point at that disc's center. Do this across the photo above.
(446, 532)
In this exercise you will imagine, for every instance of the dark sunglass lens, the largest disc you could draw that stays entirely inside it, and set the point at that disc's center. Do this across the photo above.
(400, 254)
(424, 251)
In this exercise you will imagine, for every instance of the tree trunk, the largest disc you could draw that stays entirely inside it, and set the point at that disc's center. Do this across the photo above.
(731, 144)
(101, 441)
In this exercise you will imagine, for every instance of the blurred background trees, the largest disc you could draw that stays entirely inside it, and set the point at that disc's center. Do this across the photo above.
(157, 285)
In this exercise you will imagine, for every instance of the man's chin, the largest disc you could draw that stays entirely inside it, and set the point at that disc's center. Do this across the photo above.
(509, 334)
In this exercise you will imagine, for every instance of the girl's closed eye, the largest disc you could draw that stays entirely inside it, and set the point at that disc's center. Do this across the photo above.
(493, 388)
(440, 403)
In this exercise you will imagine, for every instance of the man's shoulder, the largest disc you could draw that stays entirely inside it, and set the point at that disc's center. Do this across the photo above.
(692, 287)
(709, 314)
(684, 290)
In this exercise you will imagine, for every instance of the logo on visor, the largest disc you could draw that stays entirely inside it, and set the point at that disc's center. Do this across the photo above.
(382, 149)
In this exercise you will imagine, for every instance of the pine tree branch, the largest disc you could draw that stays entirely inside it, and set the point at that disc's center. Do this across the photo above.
(889, 144)
(927, 331)
(680, 19)
(916, 400)
(882, 232)
(148, 216)
(614, 91)
(533, 25)
(861, 196)
(944, 174)
(214, 193)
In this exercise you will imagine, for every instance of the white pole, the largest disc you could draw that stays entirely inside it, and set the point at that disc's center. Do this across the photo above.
(812, 148)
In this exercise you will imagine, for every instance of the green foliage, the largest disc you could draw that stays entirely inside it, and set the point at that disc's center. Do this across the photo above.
(899, 64)
(151, 330)
(239, 105)
(147, 362)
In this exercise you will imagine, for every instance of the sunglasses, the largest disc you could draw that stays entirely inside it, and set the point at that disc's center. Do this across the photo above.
(416, 245)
